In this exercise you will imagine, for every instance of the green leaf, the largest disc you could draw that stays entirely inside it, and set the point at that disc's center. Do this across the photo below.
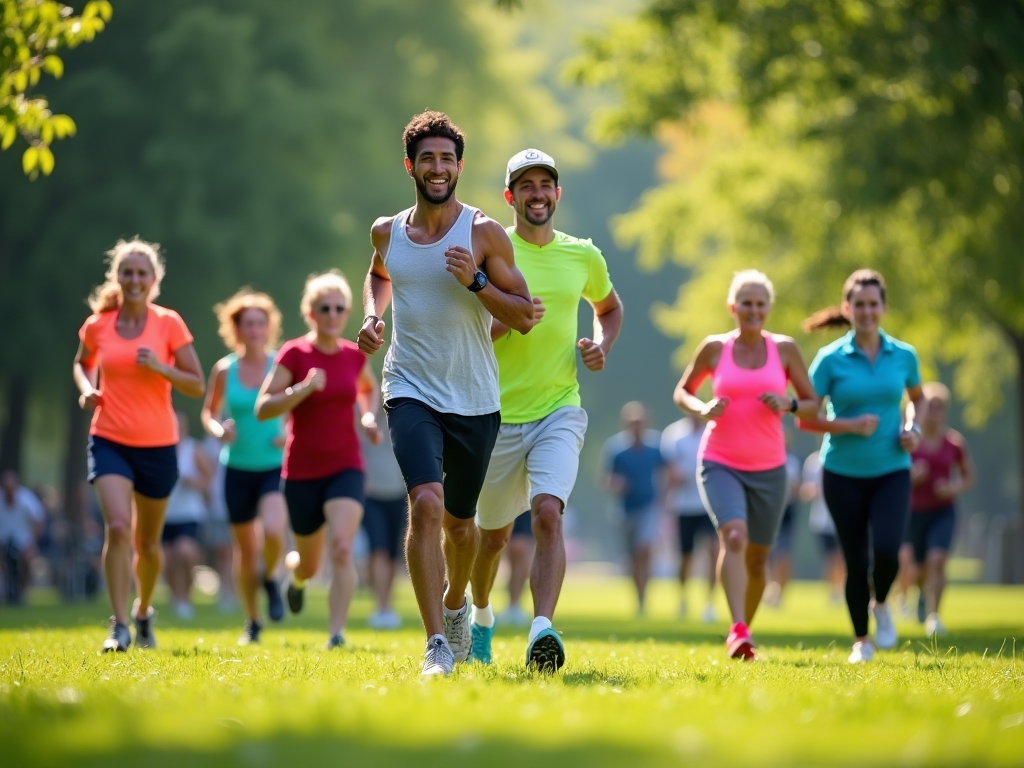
(20, 81)
(54, 65)
(8, 136)
(29, 159)
(46, 132)
(46, 161)
(63, 126)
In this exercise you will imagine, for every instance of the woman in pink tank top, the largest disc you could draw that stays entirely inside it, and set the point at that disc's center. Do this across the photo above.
(742, 460)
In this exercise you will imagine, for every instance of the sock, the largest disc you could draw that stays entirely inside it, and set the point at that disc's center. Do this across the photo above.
(539, 625)
(456, 612)
(483, 616)
(297, 582)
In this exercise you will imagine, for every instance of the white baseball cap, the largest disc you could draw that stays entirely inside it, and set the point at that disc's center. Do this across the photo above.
(523, 161)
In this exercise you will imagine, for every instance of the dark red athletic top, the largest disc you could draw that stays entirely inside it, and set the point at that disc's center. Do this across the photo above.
(321, 430)
(940, 461)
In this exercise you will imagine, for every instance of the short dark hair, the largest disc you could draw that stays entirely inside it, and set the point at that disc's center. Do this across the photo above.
(431, 124)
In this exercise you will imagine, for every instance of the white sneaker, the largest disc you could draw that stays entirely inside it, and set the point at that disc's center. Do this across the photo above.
(863, 651)
(438, 659)
(885, 629)
(184, 611)
(933, 626)
(384, 620)
(514, 617)
(458, 634)
(708, 617)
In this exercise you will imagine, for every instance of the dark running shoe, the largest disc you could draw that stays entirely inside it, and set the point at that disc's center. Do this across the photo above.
(296, 597)
(251, 633)
(119, 639)
(922, 611)
(546, 653)
(336, 641)
(275, 605)
(144, 637)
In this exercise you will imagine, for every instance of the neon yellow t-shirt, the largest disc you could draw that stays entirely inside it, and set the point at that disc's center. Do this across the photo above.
(537, 372)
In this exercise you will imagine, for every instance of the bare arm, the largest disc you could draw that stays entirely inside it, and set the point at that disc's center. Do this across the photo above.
(210, 415)
(967, 478)
(807, 402)
(185, 375)
(277, 395)
(368, 399)
(607, 324)
(701, 365)
(84, 373)
(505, 296)
(376, 289)
(911, 434)
(204, 472)
(820, 423)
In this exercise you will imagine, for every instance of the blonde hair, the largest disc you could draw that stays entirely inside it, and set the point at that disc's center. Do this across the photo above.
(936, 390)
(749, 277)
(107, 297)
(229, 313)
(318, 286)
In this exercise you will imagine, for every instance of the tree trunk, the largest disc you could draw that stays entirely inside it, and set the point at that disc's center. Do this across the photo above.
(75, 496)
(12, 437)
(1018, 346)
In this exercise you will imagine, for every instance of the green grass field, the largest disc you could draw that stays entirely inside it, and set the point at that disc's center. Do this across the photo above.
(651, 691)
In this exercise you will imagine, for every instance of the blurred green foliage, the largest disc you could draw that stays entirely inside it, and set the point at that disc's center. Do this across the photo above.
(811, 138)
(31, 34)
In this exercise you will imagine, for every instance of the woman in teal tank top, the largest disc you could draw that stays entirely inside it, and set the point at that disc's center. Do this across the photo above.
(250, 324)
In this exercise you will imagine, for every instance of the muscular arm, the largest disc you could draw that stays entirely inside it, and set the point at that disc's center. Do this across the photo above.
(376, 289)
(505, 296)
(607, 324)
(701, 365)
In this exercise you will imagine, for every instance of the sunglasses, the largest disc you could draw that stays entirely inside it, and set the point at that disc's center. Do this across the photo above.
(325, 309)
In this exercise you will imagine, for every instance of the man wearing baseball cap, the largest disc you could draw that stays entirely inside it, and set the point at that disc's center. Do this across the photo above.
(535, 460)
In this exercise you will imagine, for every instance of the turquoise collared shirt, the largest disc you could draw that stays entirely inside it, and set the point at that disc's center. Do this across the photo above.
(854, 387)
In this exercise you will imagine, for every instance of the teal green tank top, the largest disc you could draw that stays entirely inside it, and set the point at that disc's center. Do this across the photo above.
(253, 449)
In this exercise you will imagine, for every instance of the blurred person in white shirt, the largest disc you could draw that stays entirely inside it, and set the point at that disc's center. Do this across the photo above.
(21, 520)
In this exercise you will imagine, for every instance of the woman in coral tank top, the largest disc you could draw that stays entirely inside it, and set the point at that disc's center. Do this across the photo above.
(132, 353)
(742, 461)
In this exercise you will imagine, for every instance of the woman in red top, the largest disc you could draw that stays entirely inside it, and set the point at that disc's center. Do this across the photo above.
(318, 380)
(132, 353)
(942, 471)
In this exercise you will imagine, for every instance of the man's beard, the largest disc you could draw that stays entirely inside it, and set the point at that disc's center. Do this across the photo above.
(550, 213)
(422, 187)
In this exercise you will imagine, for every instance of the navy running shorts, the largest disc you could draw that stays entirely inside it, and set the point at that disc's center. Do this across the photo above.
(931, 530)
(153, 471)
(306, 498)
(446, 448)
(243, 490)
(385, 522)
(523, 525)
(692, 526)
(174, 531)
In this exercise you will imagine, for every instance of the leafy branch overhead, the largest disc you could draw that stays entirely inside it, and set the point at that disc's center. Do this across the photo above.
(32, 32)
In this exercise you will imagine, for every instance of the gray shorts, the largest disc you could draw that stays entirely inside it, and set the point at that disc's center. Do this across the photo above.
(640, 527)
(757, 498)
(529, 459)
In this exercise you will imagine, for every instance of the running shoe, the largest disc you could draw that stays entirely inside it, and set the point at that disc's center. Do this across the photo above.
(438, 659)
(481, 651)
(885, 629)
(275, 605)
(384, 619)
(119, 639)
(144, 637)
(514, 617)
(296, 597)
(933, 626)
(184, 610)
(251, 633)
(708, 617)
(863, 651)
(922, 610)
(456, 631)
(739, 643)
(546, 652)
(336, 641)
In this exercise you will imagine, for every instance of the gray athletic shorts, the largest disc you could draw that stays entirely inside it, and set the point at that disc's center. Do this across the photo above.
(640, 527)
(758, 498)
(529, 459)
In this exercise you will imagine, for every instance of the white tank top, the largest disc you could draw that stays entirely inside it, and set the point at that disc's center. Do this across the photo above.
(441, 351)
(186, 504)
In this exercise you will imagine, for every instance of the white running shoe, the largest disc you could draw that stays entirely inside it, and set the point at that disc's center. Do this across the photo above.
(708, 617)
(933, 626)
(438, 659)
(514, 617)
(384, 620)
(184, 611)
(458, 633)
(863, 651)
(885, 629)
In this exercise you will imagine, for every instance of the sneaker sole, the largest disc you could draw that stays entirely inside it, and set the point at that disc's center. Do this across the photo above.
(547, 655)
(743, 649)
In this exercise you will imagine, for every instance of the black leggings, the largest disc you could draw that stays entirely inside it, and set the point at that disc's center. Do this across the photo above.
(870, 514)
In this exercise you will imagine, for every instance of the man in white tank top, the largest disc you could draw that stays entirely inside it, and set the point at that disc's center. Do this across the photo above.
(447, 269)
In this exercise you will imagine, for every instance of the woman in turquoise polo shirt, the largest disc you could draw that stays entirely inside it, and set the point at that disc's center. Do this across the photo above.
(250, 324)
(867, 447)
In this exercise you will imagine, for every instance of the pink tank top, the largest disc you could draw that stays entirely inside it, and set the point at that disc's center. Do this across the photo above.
(748, 435)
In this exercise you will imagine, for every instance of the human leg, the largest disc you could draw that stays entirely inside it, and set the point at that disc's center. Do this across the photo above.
(247, 571)
(889, 507)
(848, 502)
(114, 493)
(147, 529)
(548, 569)
(343, 516)
(485, 567)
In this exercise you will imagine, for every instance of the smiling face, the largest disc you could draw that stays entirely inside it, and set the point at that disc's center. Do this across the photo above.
(136, 277)
(435, 169)
(934, 416)
(253, 328)
(751, 307)
(534, 196)
(328, 314)
(864, 308)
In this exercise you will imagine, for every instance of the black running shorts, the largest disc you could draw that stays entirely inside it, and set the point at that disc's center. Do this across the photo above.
(306, 498)
(446, 448)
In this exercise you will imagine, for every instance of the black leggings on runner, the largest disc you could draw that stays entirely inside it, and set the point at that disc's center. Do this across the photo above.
(870, 514)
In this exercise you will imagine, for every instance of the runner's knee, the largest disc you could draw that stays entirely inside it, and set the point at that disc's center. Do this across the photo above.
(341, 552)
(547, 518)
(492, 542)
(458, 529)
(119, 533)
(735, 538)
